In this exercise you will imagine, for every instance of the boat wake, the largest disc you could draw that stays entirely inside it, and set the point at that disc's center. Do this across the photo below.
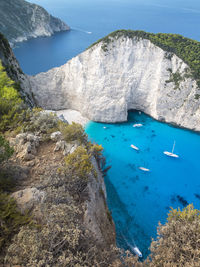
(81, 30)
(133, 248)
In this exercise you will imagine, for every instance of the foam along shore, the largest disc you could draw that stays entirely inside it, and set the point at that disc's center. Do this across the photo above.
(72, 116)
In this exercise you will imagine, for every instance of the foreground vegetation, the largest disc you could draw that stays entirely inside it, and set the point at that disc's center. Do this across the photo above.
(186, 49)
(53, 233)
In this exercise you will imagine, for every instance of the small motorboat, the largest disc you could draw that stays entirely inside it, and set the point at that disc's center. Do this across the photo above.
(134, 249)
(137, 251)
(144, 169)
(104, 127)
(137, 125)
(135, 147)
(171, 154)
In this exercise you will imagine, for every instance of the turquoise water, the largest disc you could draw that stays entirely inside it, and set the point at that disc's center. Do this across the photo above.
(102, 17)
(139, 200)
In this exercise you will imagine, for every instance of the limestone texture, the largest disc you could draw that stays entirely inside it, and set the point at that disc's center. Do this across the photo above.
(131, 73)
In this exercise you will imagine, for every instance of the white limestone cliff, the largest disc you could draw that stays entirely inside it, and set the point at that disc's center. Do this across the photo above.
(130, 73)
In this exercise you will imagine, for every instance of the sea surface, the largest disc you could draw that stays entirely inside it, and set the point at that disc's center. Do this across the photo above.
(91, 20)
(138, 200)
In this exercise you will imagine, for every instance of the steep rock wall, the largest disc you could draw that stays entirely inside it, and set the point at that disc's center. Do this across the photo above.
(20, 20)
(106, 81)
(97, 217)
(14, 71)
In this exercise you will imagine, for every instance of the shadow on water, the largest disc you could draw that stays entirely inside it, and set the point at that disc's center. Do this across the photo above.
(197, 196)
(124, 222)
(180, 199)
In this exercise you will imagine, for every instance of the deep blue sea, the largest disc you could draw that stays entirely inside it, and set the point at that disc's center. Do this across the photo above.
(137, 200)
(102, 17)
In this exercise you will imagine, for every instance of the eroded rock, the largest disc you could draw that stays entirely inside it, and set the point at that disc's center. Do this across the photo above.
(56, 136)
(26, 199)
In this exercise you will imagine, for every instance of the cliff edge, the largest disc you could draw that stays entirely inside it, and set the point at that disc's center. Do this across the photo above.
(11, 65)
(20, 20)
(123, 72)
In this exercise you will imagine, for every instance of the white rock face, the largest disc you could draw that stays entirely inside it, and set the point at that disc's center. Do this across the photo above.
(131, 74)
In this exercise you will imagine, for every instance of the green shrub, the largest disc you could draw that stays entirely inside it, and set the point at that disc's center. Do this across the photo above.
(5, 150)
(73, 132)
(10, 218)
(178, 242)
(41, 121)
(79, 163)
(11, 104)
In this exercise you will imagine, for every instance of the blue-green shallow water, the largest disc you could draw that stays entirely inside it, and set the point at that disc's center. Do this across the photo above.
(139, 200)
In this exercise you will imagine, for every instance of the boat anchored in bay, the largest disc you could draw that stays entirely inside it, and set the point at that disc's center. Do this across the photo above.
(137, 125)
(135, 147)
(144, 169)
(171, 154)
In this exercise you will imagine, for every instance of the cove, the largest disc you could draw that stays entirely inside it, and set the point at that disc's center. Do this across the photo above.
(139, 200)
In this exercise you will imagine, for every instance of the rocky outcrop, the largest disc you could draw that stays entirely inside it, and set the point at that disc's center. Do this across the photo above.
(106, 81)
(20, 20)
(28, 198)
(26, 145)
(14, 71)
(47, 159)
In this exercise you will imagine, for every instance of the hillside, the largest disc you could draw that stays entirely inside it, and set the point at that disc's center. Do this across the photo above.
(20, 20)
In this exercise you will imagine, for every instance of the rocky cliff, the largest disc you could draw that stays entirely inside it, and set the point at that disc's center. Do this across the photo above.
(122, 73)
(20, 20)
(11, 65)
(56, 181)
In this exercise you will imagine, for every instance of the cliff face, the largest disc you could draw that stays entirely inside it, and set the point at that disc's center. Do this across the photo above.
(14, 71)
(107, 80)
(20, 20)
(70, 222)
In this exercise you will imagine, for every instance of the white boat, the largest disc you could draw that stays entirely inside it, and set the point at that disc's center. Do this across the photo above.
(135, 147)
(104, 127)
(137, 251)
(137, 125)
(171, 154)
(144, 169)
(134, 249)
